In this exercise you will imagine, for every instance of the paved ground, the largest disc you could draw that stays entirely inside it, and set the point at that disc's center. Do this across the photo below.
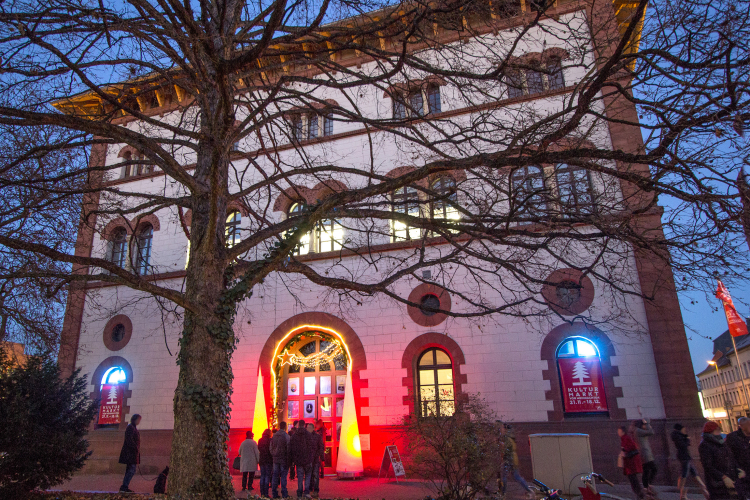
(361, 489)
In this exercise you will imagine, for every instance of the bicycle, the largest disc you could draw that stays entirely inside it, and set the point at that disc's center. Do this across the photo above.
(588, 491)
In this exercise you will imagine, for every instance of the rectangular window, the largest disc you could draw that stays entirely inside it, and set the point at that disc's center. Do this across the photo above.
(534, 82)
(297, 130)
(328, 124)
(555, 75)
(416, 103)
(514, 82)
(433, 99)
(312, 126)
(399, 108)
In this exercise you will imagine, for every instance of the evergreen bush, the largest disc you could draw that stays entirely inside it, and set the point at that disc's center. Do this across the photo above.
(45, 419)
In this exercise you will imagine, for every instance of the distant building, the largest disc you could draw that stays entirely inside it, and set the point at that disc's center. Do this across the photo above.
(15, 351)
(723, 385)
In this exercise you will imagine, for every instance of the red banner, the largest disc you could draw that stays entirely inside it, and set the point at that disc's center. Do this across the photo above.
(582, 385)
(737, 326)
(111, 405)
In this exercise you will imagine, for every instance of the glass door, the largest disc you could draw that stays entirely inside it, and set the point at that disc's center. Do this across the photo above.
(314, 391)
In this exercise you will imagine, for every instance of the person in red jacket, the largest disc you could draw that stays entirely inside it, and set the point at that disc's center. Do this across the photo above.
(631, 461)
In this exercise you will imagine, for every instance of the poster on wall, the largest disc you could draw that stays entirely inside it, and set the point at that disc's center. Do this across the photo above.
(582, 385)
(309, 409)
(293, 409)
(111, 405)
(325, 385)
(340, 384)
(294, 386)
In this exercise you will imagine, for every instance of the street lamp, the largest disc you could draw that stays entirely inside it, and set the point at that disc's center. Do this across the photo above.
(727, 404)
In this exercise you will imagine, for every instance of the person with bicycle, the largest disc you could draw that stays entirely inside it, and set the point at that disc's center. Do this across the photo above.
(718, 463)
(510, 461)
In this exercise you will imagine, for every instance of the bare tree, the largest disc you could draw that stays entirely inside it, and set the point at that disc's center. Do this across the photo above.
(225, 103)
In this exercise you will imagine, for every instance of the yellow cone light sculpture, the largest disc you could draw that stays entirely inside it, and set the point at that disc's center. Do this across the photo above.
(260, 416)
(349, 462)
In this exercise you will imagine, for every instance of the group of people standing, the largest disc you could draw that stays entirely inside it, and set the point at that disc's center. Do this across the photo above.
(300, 451)
(724, 460)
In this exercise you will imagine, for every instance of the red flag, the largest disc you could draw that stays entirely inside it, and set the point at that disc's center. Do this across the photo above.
(737, 326)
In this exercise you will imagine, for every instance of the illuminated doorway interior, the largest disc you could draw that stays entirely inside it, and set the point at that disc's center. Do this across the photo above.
(312, 370)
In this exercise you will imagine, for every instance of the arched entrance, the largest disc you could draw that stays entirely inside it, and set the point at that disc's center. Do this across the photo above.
(311, 372)
(309, 337)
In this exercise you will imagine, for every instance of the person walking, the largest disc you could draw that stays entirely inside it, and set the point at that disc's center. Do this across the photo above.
(687, 470)
(320, 428)
(631, 461)
(280, 447)
(718, 463)
(266, 462)
(510, 460)
(642, 430)
(739, 444)
(130, 454)
(302, 457)
(291, 465)
(249, 458)
(317, 448)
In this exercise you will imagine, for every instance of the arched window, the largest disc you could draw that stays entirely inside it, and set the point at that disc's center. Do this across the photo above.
(119, 244)
(330, 235)
(574, 190)
(435, 390)
(405, 200)
(529, 191)
(303, 247)
(232, 230)
(143, 253)
(444, 203)
(114, 375)
(581, 380)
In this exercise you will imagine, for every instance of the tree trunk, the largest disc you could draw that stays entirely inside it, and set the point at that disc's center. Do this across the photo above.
(199, 465)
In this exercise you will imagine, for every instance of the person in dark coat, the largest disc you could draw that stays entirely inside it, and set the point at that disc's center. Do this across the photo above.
(291, 465)
(739, 443)
(717, 461)
(161, 482)
(130, 455)
(280, 453)
(317, 447)
(682, 443)
(631, 461)
(265, 461)
(302, 458)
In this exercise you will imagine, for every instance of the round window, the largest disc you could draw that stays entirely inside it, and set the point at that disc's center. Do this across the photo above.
(118, 332)
(568, 293)
(429, 301)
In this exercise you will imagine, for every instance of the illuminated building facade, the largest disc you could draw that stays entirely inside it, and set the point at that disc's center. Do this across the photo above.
(363, 369)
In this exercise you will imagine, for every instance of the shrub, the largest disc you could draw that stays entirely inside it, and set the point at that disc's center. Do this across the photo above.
(45, 419)
(460, 455)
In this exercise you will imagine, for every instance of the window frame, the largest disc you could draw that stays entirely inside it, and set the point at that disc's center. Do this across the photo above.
(445, 188)
(118, 254)
(576, 207)
(404, 104)
(434, 368)
(295, 208)
(329, 226)
(232, 229)
(405, 200)
(144, 245)
(535, 200)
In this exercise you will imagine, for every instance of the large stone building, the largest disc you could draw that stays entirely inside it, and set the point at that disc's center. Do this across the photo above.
(558, 377)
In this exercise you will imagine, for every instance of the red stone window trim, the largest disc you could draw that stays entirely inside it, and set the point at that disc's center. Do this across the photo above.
(568, 292)
(117, 332)
(96, 381)
(422, 295)
(606, 350)
(412, 354)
